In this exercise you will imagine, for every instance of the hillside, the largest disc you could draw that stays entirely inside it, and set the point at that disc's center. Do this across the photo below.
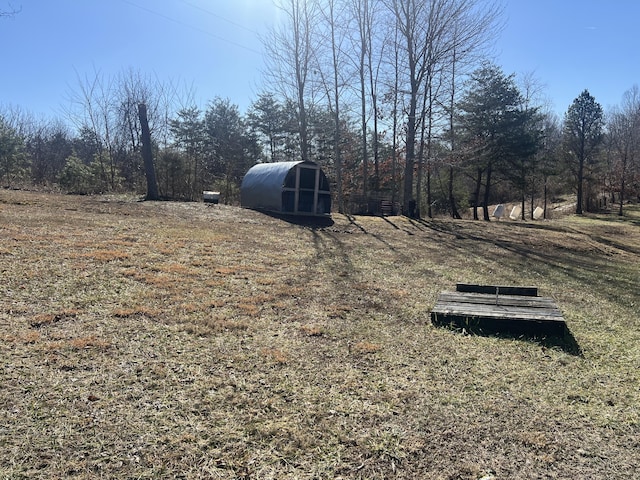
(171, 340)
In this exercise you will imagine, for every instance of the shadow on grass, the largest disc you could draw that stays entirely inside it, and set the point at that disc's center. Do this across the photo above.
(585, 263)
(308, 221)
(565, 342)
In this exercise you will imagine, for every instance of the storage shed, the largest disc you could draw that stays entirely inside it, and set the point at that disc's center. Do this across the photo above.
(299, 188)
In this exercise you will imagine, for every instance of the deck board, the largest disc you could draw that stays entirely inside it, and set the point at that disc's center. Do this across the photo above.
(503, 300)
(491, 312)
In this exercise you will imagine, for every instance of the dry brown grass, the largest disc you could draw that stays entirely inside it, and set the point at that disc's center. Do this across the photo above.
(167, 340)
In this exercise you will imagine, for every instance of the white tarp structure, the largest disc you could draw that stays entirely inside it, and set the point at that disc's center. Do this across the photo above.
(538, 213)
(299, 188)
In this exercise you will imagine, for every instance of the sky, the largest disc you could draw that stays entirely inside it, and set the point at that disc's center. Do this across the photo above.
(212, 48)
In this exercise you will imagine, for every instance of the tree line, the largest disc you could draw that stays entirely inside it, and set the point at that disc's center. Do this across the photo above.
(395, 99)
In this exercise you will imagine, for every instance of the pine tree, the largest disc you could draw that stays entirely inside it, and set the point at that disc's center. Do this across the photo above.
(583, 135)
(496, 132)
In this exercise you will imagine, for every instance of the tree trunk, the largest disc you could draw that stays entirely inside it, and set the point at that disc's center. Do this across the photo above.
(429, 151)
(533, 208)
(420, 158)
(363, 119)
(394, 148)
(452, 201)
(147, 155)
(302, 127)
(545, 198)
(622, 189)
(407, 197)
(452, 103)
(336, 114)
(476, 194)
(487, 193)
(580, 187)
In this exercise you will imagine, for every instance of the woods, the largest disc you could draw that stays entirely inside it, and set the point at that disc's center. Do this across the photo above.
(397, 100)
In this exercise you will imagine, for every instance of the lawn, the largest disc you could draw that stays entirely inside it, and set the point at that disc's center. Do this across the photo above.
(187, 340)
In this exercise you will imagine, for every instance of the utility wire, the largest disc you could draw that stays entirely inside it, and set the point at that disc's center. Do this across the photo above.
(220, 17)
(192, 27)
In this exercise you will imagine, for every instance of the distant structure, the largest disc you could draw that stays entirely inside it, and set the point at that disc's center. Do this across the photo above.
(538, 213)
(296, 188)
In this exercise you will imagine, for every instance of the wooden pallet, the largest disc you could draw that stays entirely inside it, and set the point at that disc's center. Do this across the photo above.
(485, 308)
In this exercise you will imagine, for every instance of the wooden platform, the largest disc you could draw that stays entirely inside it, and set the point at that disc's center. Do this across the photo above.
(485, 308)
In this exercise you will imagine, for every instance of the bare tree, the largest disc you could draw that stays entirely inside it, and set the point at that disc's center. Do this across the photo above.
(624, 133)
(368, 49)
(105, 110)
(147, 154)
(532, 90)
(469, 39)
(289, 56)
(409, 16)
(93, 110)
(431, 31)
(549, 154)
(395, 107)
(453, 155)
(10, 13)
(332, 13)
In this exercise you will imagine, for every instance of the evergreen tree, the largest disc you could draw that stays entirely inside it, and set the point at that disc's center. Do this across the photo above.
(496, 132)
(188, 131)
(231, 150)
(583, 136)
(13, 161)
(266, 118)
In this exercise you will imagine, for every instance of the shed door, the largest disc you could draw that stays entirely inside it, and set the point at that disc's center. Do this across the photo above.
(307, 188)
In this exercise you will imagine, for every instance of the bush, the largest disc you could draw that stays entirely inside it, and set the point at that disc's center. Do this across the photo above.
(76, 177)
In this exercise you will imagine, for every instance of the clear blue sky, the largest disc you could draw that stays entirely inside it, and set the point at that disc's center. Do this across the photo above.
(213, 46)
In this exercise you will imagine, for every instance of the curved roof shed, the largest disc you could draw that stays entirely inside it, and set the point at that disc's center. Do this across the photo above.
(299, 188)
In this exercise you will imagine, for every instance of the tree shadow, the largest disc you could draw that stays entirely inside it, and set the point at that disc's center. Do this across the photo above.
(308, 221)
(352, 221)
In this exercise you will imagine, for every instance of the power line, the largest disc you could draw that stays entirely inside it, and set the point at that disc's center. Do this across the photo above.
(220, 17)
(191, 27)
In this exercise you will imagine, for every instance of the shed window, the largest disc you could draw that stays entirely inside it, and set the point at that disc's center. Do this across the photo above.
(290, 181)
(308, 178)
(288, 201)
(305, 202)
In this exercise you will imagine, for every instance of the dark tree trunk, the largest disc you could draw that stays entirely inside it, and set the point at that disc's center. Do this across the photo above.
(476, 194)
(410, 157)
(147, 155)
(363, 119)
(452, 200)
(580, 188)
(622, 191)
(545, 199)
(429, 196)
(487, 194)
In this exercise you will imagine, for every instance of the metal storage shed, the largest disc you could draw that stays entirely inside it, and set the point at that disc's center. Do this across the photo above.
(298, 188)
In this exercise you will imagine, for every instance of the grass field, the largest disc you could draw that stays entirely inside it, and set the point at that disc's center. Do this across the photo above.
(171, 340)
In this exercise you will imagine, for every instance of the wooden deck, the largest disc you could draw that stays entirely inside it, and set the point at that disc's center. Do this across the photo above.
(518, 311)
